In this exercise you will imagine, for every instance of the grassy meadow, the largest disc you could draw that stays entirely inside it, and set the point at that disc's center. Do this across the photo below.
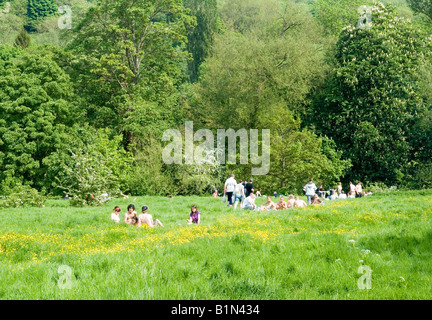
(311, 253)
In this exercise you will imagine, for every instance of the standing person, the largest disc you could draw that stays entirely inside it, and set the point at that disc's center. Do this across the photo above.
(130, 214)
(194, 216)
(249, 188)
(147, 219)
(229, 189)
(339, 189)
(115, 215)
(239, 194)
(310, 190)
(359, 190)
(352, 189)
(249, 202)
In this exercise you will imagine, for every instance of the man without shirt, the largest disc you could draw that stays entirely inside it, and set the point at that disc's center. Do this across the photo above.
(147, 219)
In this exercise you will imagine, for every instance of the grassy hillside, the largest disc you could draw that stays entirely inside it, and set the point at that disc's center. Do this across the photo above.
(311, 253)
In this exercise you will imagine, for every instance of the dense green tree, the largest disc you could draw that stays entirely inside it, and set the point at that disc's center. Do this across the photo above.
(23, 39)
(276, 62)
(259, 76)
(36, 97)
(37, 10)
(128, 62)
(372, 102)
(421, 6)
(200, 39)
(88, 163)
(334, 15)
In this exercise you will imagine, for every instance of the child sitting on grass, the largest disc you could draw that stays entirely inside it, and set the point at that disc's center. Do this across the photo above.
(115, 215)
(194, 216)
(131, 213)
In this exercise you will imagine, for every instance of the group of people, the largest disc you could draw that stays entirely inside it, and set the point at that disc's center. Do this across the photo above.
(242, 194)
(312, 192)
(132, 218)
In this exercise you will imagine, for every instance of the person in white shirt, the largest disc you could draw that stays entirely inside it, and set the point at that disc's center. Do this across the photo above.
(229, 189)
(342, 195)
(239, 194)
(351, 195)
(352, 189)
(339, 188)
(249, 202)
(310, 190)
(359, 190)
(115, 215)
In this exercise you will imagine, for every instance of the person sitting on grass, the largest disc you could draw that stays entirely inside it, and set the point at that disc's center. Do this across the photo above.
(249, 202)
(115, 215)
(334, 195)
(290, 201)
(351, 195)
(135, 221)
(299, 203)
(215, 194)
(130, 214)
(258, 193)
(268, 205)
(281, 205)
(194, 216)
(342, 195)
(147, 219)
(316, 200)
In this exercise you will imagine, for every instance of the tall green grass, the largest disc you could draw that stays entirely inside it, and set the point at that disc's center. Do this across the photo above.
(311, 253)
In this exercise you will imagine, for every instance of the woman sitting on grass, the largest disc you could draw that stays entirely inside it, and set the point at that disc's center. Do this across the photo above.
(147, 219)
(268, 205)
(316, 200)
(130, 214)
(115, 215)
(194, 216)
